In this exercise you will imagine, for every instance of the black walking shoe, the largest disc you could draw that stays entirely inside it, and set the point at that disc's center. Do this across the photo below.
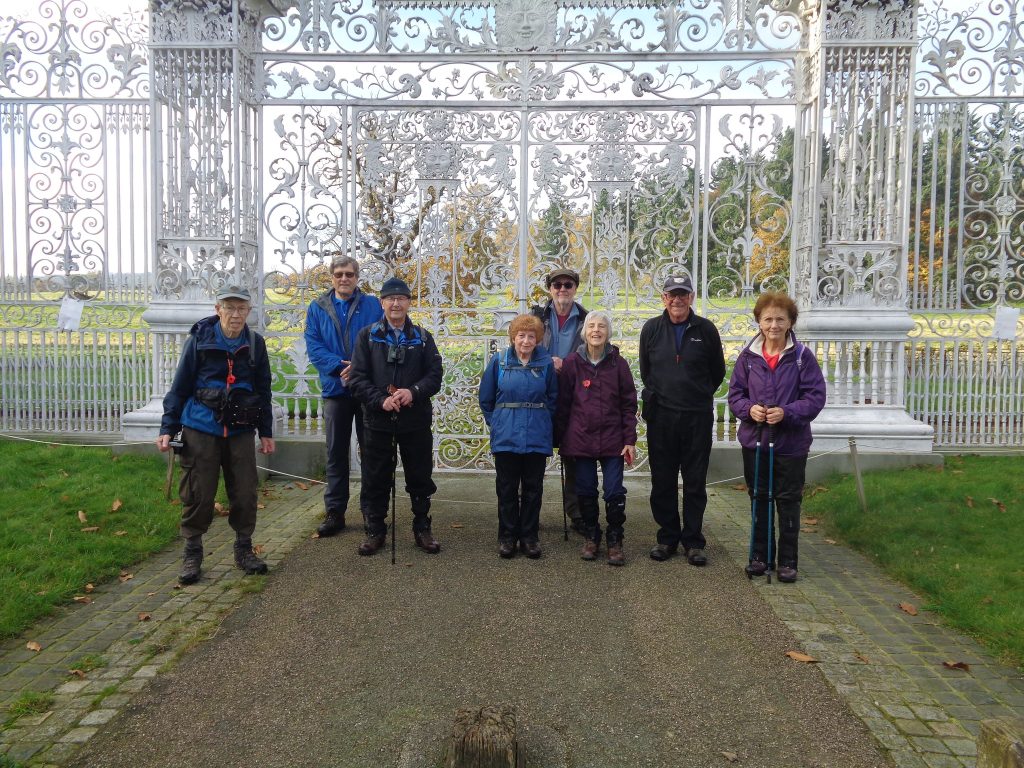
(531, 548)
(249, 561)
(332, 524)
(662, 552)
(425, 540)
(506, 548)
(696, 556)
(191, 567)
(755, 568)
(787, 574)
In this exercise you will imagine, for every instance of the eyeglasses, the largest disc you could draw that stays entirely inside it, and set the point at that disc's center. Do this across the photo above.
(559, 285)
(344, 274)
(235, 311)
(395, 298)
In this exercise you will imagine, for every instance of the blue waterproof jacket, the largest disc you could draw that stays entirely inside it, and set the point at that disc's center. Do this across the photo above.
(327, 346)
(518, 402)
(205, 364)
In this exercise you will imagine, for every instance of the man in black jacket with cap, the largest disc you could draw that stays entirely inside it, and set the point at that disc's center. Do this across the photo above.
(396, 369)
(682, 365)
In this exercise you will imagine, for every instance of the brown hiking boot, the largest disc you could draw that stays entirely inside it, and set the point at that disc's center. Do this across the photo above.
(425, 540)
(615, 554)
(589, 551)
(372, 544)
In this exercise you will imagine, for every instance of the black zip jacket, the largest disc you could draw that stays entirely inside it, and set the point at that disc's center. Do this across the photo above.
(413, 363)
(685, 379)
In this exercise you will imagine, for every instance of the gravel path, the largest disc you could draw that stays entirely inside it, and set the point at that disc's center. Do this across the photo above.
(341, 659)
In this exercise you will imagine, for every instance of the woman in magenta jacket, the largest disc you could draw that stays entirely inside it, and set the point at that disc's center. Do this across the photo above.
(776, 391)
(595, 422)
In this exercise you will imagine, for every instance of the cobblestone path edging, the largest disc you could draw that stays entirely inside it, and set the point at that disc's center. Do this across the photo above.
(886, 663)
(135, 649)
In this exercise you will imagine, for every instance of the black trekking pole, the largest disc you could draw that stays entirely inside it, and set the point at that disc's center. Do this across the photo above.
(753, 497)
(771, 495)
(394, 482)
(565, 516)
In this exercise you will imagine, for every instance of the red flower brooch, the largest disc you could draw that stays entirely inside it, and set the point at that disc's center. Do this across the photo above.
(586, 383)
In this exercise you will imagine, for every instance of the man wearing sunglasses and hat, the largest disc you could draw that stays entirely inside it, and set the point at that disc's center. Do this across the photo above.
(563, 318)
(682, 364)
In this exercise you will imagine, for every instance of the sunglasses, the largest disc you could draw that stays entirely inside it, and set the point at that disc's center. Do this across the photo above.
(344, 274)
(558, 284)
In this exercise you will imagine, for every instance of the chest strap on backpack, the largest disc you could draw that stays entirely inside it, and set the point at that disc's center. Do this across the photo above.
(520, 405)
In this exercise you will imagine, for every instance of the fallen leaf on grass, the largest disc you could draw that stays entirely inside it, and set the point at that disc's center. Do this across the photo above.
(77, 673)
(63, 473)
(125, 576)
(116, 505)
(956, 471)
(811, 520)
(802, 657)
(89, 587)
(732, 757)
(456, 525)
(150, 594)
(963, 665)
(986, 600)
(808, 530)
(258, 549)
(740, 487)
(969, 501)
(315, 535)
(91, 529)
(830, 541)
(143, 616)
(81, 517)
(220, 509)
(908, 608)
(861, 657)
(302, 486)
(32, 645)
(999, 505)
(83, 599)
(261, 506)
(120, 533)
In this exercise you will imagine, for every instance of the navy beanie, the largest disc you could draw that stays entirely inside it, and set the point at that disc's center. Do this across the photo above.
(395, 286)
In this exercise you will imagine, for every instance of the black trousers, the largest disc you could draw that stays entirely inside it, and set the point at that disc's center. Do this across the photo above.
(519, 483)
(417, 450)
(787, 492)
(679, 443)
(339, 415)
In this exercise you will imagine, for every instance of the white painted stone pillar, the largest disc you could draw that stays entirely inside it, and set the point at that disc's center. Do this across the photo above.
(851, 243)
(205, 140)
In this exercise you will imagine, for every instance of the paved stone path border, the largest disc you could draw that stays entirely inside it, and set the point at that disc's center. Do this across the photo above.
(887, 664)
(135, 650)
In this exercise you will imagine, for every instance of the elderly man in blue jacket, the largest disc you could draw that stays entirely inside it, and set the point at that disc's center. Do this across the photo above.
(333, 321)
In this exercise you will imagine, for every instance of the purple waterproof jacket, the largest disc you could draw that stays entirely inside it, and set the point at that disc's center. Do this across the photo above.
(596, 414)
(796, 384)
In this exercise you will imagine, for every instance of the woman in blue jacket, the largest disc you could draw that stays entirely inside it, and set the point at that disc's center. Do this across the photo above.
(518, 393)
(776, 391)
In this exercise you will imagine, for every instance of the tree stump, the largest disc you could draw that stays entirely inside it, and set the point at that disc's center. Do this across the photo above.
(483, 737)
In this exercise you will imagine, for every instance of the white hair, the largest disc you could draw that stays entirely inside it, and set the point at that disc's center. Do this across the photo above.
(599, 314)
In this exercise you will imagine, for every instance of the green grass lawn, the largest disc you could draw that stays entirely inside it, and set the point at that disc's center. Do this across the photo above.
(951, 533)
(46, 555)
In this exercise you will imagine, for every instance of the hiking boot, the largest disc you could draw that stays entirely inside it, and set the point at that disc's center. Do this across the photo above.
(589, 551)
(332, 524)
(506, 548)
(616, 556)
(192, 562)
(787, 574)
(662, 552)
(755, 568)
(531, 548)
(425, 540)
(696, 556)
(249, 561)
(191, 567)
(372, 544)
(576, 525)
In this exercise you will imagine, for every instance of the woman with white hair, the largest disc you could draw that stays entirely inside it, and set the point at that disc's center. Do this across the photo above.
(595, 423)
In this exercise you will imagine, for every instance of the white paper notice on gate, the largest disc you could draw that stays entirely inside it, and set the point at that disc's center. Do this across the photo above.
(70, 316)
(1005, 326)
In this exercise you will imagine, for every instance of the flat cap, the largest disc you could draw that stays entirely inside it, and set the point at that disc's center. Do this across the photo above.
(562, 272)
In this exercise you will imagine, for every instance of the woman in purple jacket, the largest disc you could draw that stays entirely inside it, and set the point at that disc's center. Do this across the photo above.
(595, 421)
(776, 391)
